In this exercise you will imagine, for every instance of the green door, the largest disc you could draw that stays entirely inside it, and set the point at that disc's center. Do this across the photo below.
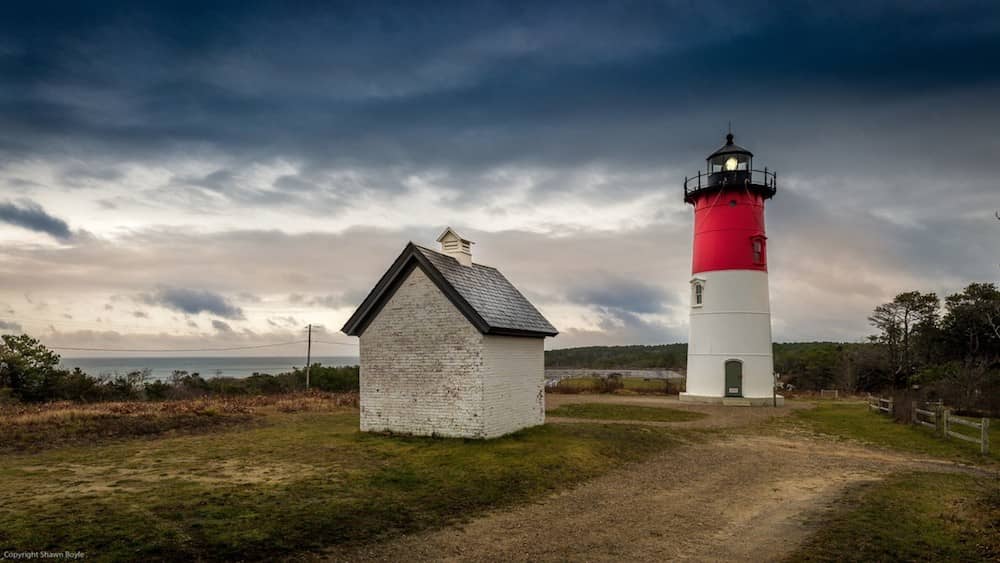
(734, 378)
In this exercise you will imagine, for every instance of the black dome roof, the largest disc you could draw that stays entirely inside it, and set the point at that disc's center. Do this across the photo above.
(729, 148)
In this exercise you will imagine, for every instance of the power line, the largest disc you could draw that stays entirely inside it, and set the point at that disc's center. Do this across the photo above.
(81, 349)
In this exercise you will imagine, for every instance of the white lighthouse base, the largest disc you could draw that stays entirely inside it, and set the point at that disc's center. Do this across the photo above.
(776, 400)
(729, 349)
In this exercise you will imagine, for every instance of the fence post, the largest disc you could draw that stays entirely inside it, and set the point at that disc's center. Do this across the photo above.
(939, 419)
(985, 436)
(945, 423)
(913, 412)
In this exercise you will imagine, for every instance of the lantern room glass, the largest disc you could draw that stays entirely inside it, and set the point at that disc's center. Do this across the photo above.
(732, 162)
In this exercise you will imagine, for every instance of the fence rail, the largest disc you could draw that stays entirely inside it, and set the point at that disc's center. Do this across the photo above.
(939, 418)
(880, 404)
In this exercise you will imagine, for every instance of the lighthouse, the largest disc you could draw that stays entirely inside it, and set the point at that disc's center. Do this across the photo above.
(729, 345)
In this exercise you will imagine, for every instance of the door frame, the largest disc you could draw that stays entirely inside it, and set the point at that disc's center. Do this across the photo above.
(725, 377)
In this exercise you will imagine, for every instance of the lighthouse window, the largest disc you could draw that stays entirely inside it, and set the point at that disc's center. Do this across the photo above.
(758, 251)
(699, 291)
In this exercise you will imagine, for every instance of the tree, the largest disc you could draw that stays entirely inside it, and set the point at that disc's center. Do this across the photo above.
(902, 323)
(972, 321)
(27, 367)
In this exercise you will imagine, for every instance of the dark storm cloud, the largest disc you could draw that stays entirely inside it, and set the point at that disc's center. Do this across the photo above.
(193, 301)
(475, 85)
(29, 215)
(621, 294)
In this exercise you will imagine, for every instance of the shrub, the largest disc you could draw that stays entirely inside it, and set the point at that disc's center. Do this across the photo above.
(158, 390)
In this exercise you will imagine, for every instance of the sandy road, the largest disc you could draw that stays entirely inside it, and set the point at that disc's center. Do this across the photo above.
(738, 497)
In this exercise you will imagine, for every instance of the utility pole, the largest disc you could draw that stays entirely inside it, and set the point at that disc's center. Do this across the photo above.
(309, 347)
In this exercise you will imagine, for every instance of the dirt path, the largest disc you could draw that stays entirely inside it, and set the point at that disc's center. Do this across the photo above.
(748, 498)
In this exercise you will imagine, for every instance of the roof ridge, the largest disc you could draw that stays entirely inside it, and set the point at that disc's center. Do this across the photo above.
(439, 253)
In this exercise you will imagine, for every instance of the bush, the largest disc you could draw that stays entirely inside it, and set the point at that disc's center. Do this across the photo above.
(158, 391)
(609, 384)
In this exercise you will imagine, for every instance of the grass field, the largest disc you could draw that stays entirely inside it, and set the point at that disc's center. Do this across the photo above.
(856, 422)
(37, 427)
(912, 517)
(292, 482)
(602, 411)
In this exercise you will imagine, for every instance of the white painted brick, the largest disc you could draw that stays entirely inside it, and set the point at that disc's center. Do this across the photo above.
(426, 370)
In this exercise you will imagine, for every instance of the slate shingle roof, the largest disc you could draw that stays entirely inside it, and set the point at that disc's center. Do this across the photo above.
(490, 302)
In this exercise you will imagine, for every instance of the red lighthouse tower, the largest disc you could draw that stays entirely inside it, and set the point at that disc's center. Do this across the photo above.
(729, 345)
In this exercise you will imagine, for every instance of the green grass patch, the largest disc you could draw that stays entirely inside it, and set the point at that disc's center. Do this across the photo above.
(912, 517)
(300, 482)
(603, 411)
(856, 422)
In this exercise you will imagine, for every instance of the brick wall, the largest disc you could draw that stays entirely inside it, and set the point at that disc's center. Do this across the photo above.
(420, 364)
(513, 383)
(426, 370)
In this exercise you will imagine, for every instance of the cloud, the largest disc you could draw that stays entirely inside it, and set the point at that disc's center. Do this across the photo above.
(248, 297)
(29, 215)
(140, 314)
(193, 302)
(288, 321)
(221, 326)
(334, 301)
(282, 184)
(621, 294)
(10, 326)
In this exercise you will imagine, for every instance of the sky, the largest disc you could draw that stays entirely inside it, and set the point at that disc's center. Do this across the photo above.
(210, 175)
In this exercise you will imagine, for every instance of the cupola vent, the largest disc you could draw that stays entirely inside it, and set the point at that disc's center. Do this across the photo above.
(455, 246)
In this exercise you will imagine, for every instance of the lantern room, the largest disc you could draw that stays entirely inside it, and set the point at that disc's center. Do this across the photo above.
(729, 158)
(730, 166)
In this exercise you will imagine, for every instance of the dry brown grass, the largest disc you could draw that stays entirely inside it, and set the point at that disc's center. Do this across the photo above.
(34, 427)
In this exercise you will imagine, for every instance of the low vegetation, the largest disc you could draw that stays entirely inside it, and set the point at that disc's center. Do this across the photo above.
(603, 411)
(35, 427)
(621, 385)
(912, 517)
(299, 481)
(854, 421)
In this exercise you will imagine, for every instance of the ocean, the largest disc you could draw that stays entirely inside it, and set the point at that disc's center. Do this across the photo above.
(162, 368)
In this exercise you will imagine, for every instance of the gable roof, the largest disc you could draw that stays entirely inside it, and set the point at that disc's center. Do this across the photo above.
(490, 302)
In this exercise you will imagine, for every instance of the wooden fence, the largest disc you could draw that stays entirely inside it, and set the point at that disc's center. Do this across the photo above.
(939, 417)
(880, 404)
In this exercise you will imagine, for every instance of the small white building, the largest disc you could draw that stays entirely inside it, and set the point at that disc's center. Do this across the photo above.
(449, 347)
